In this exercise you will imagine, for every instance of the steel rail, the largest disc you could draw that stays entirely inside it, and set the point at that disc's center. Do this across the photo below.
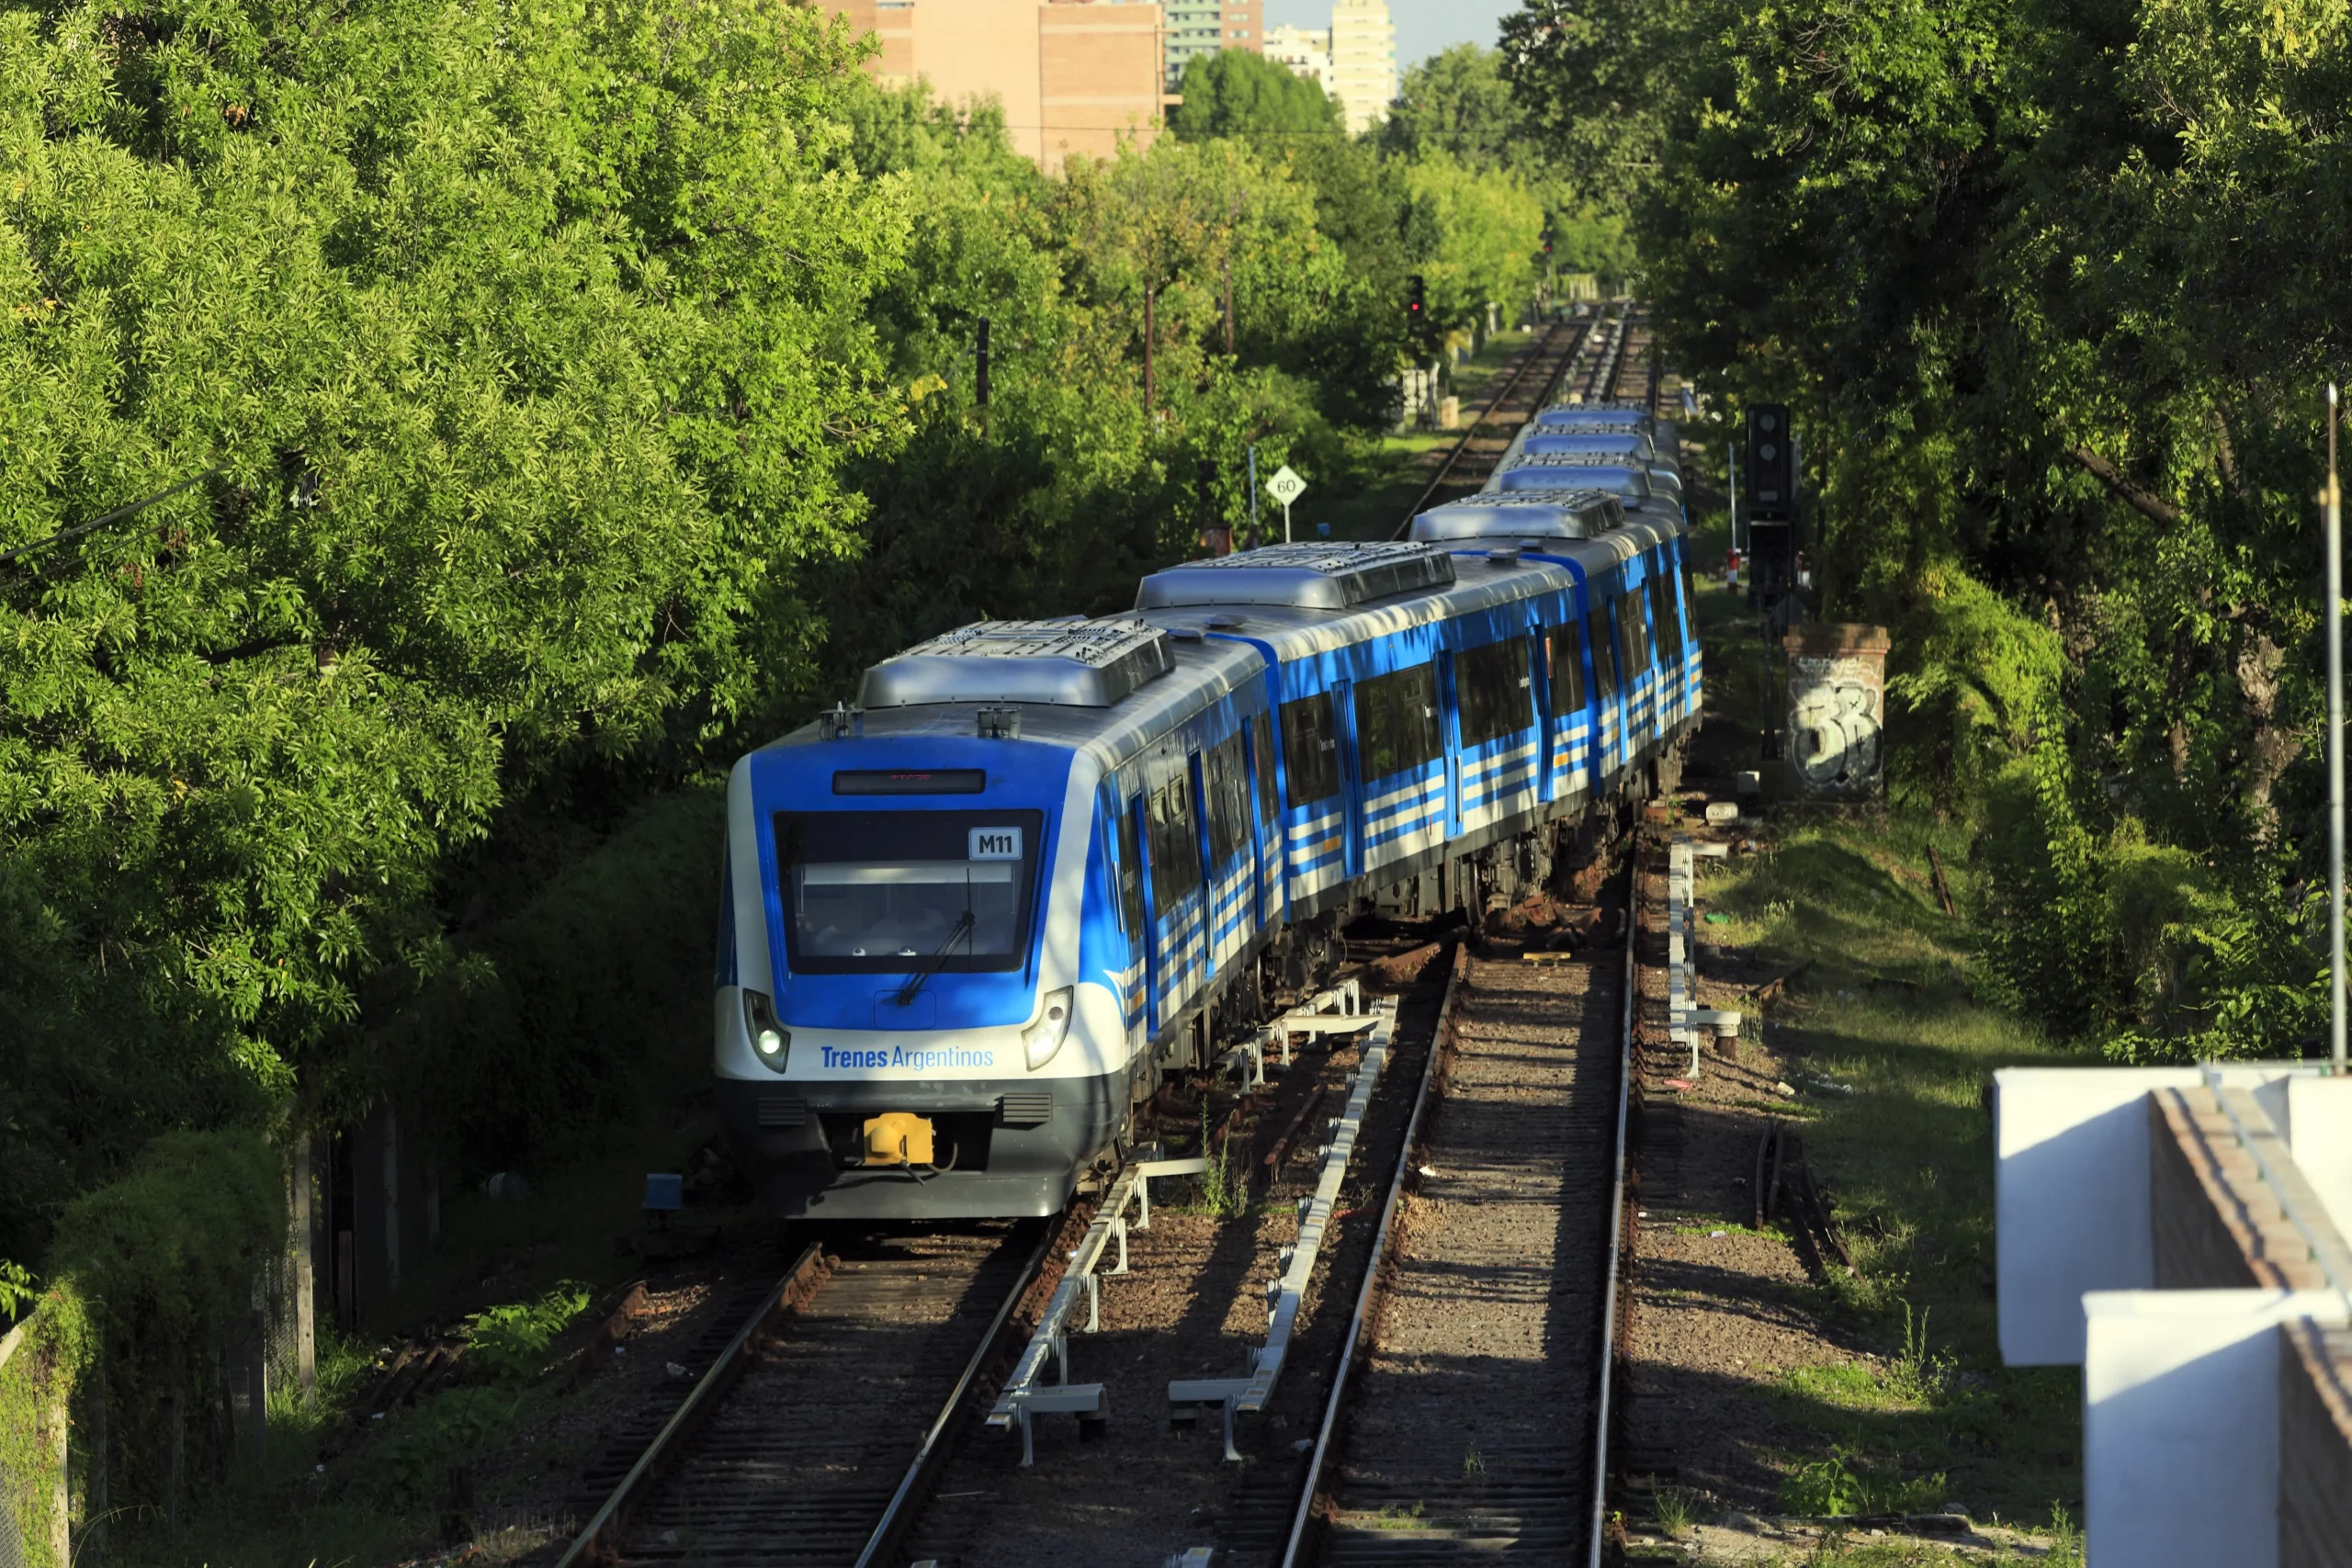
(1358, 1324)
(1616, 1228)
(1617, 358)
(1445, 469)
(706, 1395)
(919, 1473)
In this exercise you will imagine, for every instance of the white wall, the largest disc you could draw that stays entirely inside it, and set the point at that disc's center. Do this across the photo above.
(2318, 1129)
(2180, 1425)
(2070, 1199)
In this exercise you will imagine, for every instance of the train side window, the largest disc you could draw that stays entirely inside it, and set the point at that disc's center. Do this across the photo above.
(1564, 670)
(1130, 869)
(1310, 750)
(1175, 849)
(1229, 799)
(1396, 724)
(1633, 635)
(1262, 734)
(1495, 691)
(1662, 611)
(1689, 598)
(1604, 654)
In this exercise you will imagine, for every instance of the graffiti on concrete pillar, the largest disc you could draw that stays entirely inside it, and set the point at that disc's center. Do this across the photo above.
(1836, 710)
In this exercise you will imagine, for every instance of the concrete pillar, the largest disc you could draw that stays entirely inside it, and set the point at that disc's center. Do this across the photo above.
(2181, 1425)
(1836, 710)
(2316, 1446)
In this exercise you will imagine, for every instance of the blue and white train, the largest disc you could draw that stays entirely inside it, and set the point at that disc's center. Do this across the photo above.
(969, 923)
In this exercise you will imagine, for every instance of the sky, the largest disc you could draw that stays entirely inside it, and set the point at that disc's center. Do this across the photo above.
(1423, 27)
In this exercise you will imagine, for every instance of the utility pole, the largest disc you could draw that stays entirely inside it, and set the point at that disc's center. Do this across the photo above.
(1253, 492)
(980, 377)
(1228, 304)
(2333, 588)
(1149, 402)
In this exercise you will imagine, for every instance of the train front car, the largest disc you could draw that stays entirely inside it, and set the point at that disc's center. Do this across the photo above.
(921, 999)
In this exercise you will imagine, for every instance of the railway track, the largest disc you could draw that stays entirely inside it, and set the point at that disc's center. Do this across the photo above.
(1467, 1417)
(1453, 1415)
(1606, 357)
(1472, 458)
(811, 1436)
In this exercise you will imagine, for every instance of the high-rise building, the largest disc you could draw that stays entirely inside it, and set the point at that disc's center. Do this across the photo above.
(1072, 77)
(1204, 26)
(1302, 50)
(1363, 61)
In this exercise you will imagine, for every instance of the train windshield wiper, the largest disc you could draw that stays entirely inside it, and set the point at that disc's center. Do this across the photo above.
(963, 928)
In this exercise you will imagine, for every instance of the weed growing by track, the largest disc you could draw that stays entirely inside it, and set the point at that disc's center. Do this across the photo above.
(1225, 1185)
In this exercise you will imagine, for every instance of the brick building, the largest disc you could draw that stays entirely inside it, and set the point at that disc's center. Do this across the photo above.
(1072, 78)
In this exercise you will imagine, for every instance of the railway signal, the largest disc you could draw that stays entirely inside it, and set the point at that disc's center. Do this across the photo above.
(1772, 477)
(1772, 501)
(1415, 297)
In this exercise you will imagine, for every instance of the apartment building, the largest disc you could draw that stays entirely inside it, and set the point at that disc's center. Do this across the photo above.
(1363, 61)
(1072, 77)
(1304, 52)
(1204, 26)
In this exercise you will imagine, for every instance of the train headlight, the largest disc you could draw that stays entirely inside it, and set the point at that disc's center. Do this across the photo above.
(1043, 1038)
(769, 1040)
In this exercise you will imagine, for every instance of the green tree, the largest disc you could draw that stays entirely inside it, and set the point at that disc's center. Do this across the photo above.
(1456, 102)
(523, 378)
(1460, 105)
(1599, 80)
(2046, 285)
(1240, 93)
(1478, 237)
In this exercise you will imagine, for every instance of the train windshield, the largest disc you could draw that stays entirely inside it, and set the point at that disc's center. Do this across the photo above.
(880, 892)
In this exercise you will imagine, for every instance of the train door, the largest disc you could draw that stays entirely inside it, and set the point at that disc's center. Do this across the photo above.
(1636, 670)
(1609, 716)
(1448, 731)
(1350, 781)
(1574, 727)
(1179, 935)
(1313, 814)
(1232, 858)
(1637, 665)
(1401, 762)
(1540, 748)
(1664, 642)
(1125, 823)
(1267, 830)
(1494, 699)
(1143, 925)
(1686, 652)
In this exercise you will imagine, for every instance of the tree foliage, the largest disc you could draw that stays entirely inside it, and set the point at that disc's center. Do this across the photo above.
(1242, 94)
(571, 398)
(1459, 105)
(2048, 285)
(523, 377)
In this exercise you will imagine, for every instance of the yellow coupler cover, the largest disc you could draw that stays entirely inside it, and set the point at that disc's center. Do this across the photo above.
(897, 1137)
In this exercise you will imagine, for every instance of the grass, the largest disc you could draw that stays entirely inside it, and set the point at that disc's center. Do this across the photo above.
(1909, 1158)
(1675, 1510)
(375, 1500)
(1887, 1006)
